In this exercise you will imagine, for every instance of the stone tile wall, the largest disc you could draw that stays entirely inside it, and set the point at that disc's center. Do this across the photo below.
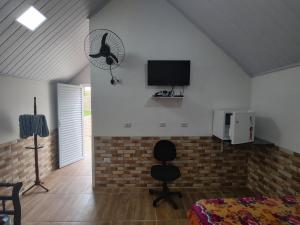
(273, 171)
(17, 163)
(202, 161)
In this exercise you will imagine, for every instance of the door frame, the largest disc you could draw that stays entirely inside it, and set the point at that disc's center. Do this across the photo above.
(92, 135)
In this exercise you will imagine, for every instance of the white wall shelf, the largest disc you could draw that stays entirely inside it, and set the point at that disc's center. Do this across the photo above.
(167, 97)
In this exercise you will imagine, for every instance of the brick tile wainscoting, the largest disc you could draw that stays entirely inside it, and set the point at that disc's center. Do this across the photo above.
(202, 161)
(17, 163)
(273, 171)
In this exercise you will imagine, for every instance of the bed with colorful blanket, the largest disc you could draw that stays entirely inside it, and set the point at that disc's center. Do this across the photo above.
(246, 211)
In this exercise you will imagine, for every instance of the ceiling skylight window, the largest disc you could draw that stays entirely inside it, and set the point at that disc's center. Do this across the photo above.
(31, 18)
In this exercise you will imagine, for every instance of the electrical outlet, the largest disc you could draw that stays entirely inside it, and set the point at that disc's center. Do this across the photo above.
(128, 125)
(184, 124)
(161, 124)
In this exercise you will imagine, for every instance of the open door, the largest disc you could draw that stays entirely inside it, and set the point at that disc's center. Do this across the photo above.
(70, 123)
(242, 127)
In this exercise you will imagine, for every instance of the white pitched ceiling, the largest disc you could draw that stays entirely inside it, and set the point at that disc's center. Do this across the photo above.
(261, 35)
(52, 51)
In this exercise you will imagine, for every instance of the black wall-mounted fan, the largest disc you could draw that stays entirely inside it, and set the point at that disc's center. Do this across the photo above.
(105, 50)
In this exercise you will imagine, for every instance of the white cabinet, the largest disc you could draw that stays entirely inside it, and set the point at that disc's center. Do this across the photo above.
(236, 126)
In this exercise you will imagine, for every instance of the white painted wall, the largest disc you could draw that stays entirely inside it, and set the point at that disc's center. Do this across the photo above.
(16, 97)
(155, 30)
(83, 77)
(275, 98)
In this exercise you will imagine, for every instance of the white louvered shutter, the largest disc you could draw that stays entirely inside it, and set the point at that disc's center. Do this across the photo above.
(70, 123)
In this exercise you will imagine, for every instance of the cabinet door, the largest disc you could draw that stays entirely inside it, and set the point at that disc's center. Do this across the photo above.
(242, 127)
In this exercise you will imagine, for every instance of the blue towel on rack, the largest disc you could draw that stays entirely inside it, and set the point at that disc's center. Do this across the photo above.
(40, 126)
(33, 124)
(25, 123)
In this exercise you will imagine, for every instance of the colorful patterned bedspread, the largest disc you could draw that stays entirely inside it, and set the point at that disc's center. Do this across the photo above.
(246, 211)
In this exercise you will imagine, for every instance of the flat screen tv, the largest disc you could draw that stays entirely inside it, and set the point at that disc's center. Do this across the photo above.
(169, 72)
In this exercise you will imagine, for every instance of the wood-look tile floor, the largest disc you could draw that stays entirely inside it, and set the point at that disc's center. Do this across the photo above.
(72, 201)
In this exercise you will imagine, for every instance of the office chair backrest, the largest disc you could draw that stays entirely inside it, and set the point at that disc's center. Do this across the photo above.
(164, 150)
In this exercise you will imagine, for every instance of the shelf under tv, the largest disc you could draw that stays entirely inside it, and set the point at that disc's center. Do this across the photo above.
(167, 97)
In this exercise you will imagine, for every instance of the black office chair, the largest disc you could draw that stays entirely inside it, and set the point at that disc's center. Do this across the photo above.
(164, 151)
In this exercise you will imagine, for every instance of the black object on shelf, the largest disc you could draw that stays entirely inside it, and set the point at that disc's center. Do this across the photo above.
(163, 93)
(167, 94)
(14, 197)
(36, 147)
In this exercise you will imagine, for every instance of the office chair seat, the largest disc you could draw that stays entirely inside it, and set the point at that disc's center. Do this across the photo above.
(165, 173)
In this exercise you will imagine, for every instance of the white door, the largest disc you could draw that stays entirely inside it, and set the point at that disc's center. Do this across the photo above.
(242, 127)
(70, 123)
